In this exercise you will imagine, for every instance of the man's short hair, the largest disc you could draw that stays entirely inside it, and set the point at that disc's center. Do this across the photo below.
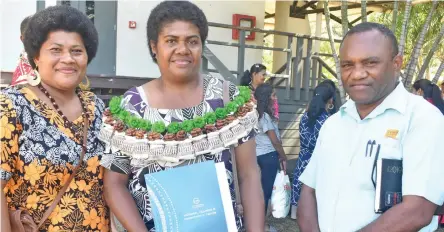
(369, 26)
(24, 24)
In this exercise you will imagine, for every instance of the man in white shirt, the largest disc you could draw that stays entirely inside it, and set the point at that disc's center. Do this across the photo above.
(338, 192)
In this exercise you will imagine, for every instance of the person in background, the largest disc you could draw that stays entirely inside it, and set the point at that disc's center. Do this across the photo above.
(269, 151)
(433, 95)
(42, 128)
(176, 33)
(336, 98)
(338, 191)
(255, 77)
(320, 108)
(23, 67)
(430, 92)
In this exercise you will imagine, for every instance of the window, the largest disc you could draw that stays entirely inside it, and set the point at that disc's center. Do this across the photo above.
(89, 10)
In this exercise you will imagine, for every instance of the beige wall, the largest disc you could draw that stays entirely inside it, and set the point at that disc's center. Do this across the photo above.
(287, 24)
(133, 57)
(11, 15)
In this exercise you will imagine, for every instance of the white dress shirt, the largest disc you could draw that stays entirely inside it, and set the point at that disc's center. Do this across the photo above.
(340, 171)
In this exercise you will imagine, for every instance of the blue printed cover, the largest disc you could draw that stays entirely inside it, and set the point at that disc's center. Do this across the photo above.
(188, 199)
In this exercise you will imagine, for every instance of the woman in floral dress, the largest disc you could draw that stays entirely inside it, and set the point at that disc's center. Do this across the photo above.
(42, 127)
(176, 33)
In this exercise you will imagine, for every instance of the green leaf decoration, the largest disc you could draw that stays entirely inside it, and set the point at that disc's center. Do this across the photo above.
(199, 122)
(221, 113)
(187, 125)
(210, 118)
(114, 105)
(173, 127)
(246, 94)
(159, 127)
(231, 107)
(124, 116)
(145, 125)
(140, 123)
(133, 122)
(239, 101)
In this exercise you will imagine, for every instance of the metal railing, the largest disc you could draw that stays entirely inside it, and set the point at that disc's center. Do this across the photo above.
(291, 72)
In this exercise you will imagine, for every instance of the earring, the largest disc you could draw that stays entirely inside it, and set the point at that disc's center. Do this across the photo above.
(330, 106)
(85, 86)
(34, 80)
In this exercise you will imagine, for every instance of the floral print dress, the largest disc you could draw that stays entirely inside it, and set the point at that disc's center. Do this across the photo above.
(38, 154)
(136, 103)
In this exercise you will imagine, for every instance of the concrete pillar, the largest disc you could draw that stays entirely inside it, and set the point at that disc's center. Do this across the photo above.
(284, 23)
(318, 32)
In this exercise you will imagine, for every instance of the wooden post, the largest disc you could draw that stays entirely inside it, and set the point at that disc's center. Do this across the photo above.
(307, 66)
(287, 69)
(240, 55)
(296, 69)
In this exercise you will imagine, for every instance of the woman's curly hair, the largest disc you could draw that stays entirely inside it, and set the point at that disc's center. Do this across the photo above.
(59, 18)
(170, 11)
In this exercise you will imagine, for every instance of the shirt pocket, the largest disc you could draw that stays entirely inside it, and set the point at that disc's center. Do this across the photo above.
(390, 149)
(366, 164)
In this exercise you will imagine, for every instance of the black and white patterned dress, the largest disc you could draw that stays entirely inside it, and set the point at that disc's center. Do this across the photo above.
(136, 103)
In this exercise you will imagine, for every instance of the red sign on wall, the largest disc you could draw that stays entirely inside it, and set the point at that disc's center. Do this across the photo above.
(132, 24)
(244, 21)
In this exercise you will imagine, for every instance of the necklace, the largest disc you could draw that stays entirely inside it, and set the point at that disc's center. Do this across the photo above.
(57, 108)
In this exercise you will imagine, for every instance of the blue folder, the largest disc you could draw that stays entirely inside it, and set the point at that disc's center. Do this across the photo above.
(191, 198)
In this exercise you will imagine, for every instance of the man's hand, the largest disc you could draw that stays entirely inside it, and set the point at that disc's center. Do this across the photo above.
(307, 212)
(412, 214)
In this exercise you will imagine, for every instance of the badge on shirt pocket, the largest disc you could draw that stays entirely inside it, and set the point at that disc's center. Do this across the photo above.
(392, 133)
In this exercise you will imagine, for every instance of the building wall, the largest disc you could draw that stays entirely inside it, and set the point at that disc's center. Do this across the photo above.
(132, 53)
(287, 24)
(133, 58)
(11, 15)
(222, 12)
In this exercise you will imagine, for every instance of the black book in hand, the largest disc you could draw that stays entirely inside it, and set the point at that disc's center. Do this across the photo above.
(389, 185)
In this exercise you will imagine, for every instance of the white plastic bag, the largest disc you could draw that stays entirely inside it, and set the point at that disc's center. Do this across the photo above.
(280, 197)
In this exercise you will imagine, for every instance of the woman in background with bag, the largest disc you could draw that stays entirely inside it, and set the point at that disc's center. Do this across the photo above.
(269, 151)
(50, 174)
(319, 109)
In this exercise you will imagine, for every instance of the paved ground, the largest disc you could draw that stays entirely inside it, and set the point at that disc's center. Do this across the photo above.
(290, 225)
(284, 224)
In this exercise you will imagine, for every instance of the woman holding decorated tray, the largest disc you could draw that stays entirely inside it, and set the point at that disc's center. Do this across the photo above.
(178, 119)
(48, 125)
